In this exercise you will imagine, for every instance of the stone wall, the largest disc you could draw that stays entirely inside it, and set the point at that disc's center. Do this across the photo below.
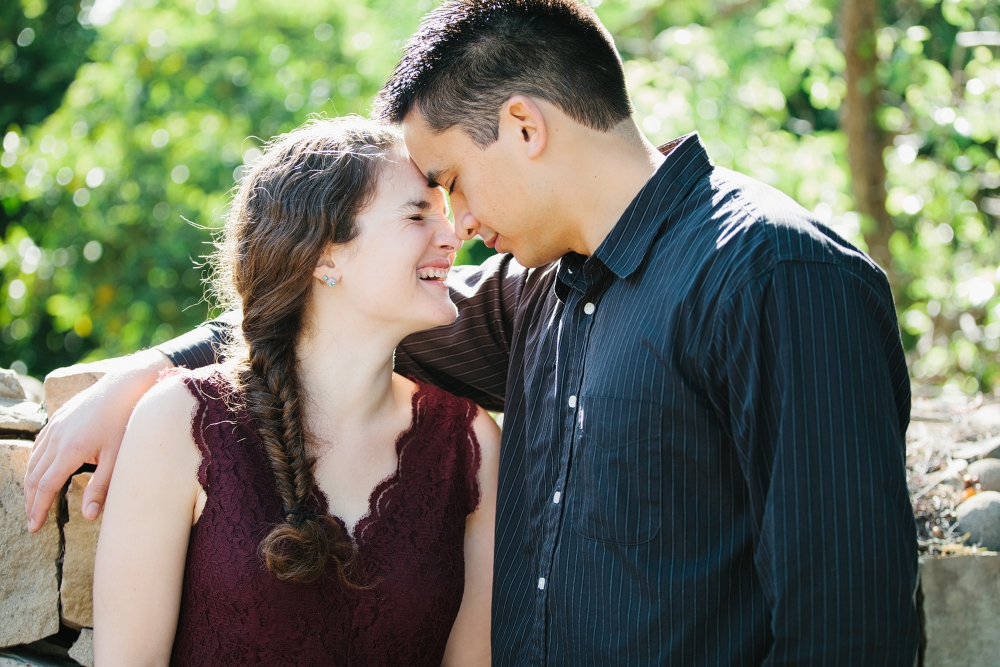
(46, 600)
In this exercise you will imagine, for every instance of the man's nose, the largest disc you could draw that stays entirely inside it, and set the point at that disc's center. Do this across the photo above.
(466, 225)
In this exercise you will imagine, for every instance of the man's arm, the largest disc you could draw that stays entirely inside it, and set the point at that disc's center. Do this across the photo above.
(203, 345)
(809, 373)
(468, 358)
(89, 428)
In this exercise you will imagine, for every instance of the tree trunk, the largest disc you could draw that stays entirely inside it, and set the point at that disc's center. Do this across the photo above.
(865, 140)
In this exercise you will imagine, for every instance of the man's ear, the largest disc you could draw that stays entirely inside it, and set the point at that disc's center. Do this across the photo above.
(522, 116)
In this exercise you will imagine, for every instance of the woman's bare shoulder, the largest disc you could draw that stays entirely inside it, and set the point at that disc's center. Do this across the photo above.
(161, 423)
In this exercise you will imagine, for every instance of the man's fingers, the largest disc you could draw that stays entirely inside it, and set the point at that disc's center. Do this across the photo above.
(42, 454)
(97, 489)
(38, 449)
(49, 487)
(37, 454)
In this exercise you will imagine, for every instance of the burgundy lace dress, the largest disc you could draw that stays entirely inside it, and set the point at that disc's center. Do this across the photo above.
(234, 612)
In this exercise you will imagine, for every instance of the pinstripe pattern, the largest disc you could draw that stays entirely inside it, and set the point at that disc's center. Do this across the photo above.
(730, 467)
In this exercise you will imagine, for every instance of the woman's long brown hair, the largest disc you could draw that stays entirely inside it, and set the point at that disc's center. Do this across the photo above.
(303, 195)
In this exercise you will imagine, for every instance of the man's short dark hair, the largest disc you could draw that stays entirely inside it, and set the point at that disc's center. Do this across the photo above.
(470, 56)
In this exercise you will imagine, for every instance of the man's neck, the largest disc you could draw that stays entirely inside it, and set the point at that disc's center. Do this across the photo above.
(612, 170)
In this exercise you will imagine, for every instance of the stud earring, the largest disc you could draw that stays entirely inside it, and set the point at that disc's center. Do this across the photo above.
(330, 282)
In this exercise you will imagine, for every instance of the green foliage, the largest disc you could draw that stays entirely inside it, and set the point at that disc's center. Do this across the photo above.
(41, 46)
(111, 199)
(118, 190)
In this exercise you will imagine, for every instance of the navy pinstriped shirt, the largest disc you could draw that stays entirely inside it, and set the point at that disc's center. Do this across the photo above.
(703, 444)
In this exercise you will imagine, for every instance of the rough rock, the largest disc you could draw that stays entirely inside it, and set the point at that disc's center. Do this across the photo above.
(985, 420)
(10, 386)
(43, 653)
(83, 649)
(15, 659)
(17, 413)
(988, 472)
(961, 604)
(34, 390)
(29, 589)
(80, 535)
(980, 516)
(63, 384)
(25, 418)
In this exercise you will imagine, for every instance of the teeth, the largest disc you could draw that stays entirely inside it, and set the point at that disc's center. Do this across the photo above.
(432, 274)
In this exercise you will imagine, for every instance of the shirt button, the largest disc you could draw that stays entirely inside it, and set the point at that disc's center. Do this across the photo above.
(541, 583)
(556, 497)
(572, 401)
(589, 308)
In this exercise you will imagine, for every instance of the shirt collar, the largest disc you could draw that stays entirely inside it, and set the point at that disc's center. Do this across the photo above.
(630, 239)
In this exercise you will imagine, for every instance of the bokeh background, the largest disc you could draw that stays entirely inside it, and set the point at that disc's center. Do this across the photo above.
(125, 125)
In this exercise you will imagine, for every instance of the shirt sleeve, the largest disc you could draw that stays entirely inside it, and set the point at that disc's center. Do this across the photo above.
(808, 371)
(470, 357)
(203, 345)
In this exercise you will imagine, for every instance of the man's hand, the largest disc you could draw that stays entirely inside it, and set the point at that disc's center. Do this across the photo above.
(87, 429)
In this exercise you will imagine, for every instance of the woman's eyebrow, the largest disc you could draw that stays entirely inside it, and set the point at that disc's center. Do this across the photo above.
(421, 204)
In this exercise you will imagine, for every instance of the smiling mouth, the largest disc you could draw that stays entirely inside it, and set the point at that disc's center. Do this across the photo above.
(432, 274)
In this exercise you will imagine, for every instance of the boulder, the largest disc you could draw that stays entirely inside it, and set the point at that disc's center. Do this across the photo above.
(63, 384)
(18, 415)
(80, 536)
(34, 390)
(83, 649)
(988, 472)
(961, 605)
(43, 653)
(980, 517)
(29, 587)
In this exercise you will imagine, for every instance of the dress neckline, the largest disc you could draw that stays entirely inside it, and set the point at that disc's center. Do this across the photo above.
(381, 493)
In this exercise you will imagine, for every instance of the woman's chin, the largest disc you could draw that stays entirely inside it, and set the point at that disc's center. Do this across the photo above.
(427, 311)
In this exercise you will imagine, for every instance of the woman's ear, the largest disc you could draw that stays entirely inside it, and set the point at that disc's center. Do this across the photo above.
(326, 267)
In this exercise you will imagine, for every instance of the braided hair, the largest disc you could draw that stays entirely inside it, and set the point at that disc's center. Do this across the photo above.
(303, 195)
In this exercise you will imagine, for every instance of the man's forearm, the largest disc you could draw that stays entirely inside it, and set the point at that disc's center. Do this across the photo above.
(203, 345)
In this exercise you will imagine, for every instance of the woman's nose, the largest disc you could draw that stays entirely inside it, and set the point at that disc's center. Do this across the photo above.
(447, 239)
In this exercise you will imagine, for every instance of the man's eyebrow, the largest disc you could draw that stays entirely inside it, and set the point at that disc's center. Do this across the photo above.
(433, 176)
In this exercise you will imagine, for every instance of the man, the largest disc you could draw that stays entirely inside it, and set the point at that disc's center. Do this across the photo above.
(704, 390)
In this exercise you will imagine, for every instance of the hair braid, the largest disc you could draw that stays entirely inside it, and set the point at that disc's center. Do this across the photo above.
(300, 548)
(301, 197)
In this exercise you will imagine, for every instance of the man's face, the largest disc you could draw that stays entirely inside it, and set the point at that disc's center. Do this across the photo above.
(496, 192)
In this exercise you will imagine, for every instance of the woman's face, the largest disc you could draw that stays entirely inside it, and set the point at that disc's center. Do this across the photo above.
(394, 271)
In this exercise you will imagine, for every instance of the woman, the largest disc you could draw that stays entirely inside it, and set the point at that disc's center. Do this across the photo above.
(302, 504)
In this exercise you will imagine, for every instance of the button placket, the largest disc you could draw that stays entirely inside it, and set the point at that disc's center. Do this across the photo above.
(573, 356)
